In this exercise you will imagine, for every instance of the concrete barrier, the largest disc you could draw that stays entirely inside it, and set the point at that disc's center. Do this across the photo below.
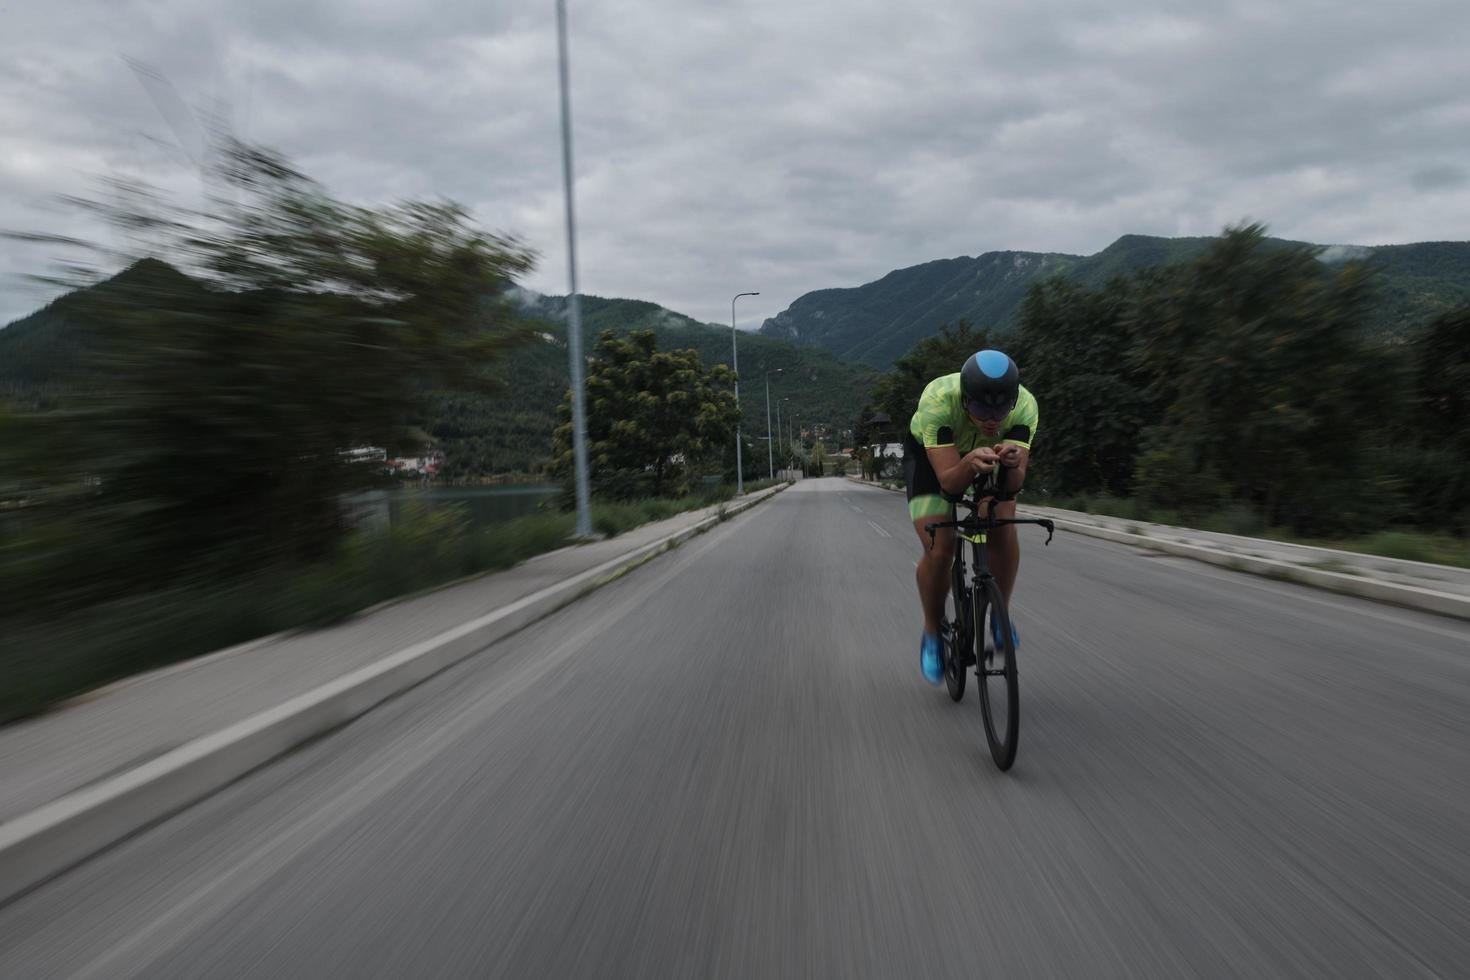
(1362, 586)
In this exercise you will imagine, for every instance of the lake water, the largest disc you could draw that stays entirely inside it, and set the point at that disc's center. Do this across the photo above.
(485, 505)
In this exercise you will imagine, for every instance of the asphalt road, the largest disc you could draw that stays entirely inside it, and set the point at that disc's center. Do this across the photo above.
(727, 764)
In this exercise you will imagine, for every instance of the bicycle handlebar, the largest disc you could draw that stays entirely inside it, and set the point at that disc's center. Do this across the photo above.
(984, 484)
(981, 484)
(990, 523)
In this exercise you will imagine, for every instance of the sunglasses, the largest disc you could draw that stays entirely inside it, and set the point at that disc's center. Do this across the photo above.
(987, 412)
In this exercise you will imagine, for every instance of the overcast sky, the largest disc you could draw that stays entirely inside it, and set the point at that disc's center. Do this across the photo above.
(768, 144)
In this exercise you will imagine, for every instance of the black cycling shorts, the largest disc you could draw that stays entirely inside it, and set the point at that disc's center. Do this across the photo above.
(921, 484)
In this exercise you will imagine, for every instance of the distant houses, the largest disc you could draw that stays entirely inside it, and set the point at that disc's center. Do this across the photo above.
(427, 465)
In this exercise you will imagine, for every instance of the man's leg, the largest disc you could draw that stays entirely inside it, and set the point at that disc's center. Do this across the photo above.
(1005, 550)
(933, 571)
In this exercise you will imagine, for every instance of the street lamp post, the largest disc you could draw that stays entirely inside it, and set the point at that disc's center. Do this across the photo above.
(574, 309)
(770, 454)
(735, 363)
(780, 430)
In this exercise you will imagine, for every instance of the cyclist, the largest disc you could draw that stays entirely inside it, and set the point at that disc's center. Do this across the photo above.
(966, 424)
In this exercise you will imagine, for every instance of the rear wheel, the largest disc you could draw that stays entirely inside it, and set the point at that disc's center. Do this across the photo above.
(1000, 700)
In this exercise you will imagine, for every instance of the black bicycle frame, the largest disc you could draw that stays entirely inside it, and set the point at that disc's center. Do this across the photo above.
(971, 617)
(970, 528)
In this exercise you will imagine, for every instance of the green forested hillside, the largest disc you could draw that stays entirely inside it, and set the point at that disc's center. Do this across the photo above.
(510, 431)
(43, 355)
(1239, 390)
(877, 322)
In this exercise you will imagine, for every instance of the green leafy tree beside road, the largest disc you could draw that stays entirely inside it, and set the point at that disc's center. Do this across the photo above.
(1437, 418)
(1244, 387)
(1270, 390)
(655, 419)
(1073, 350)
(204, 440)
(898, 391)
(173, 472)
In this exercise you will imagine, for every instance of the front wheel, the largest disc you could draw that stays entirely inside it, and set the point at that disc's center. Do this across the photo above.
(956, 639)
(1000, 699)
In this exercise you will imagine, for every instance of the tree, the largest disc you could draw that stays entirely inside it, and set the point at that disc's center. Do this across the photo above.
(1438, 479)
(897, 392)
(653, 418)
(1258, 354)
(1094, 400)
(818, 460)
(223, 384)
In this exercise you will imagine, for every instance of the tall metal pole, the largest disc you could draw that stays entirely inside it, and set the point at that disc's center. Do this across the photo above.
(735, 363)
(771, 453)
(574, 307)
(778, 425)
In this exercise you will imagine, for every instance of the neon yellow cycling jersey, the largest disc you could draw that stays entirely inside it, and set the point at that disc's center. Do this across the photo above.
(941, 419)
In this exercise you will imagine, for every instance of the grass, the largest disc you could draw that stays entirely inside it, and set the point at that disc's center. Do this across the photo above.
(616, 518)
(1437, 549)
(1238, 519)
(48, 660)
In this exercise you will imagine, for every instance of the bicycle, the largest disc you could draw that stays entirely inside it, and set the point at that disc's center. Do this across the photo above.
(963, 644)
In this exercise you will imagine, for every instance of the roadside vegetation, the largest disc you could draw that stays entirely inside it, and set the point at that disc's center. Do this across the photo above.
(180, 485)
(1441, 548)
(1243, 391)
(45, 660)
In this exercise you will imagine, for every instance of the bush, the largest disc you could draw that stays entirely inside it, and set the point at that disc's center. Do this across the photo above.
(1438, 548)
(613, 519)
(1109, 506)
(45, 659)
(1236, 518)
(1169, 476)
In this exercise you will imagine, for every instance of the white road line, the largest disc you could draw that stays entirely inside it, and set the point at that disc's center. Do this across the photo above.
(856, 508)
(879, 530)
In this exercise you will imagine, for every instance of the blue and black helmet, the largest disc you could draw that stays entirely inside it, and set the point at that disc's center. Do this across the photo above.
(989, 383)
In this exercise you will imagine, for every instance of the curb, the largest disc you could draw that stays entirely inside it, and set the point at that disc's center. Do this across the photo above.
(1409, 596)
(1362, 587)
(871, 485)
(48, 840)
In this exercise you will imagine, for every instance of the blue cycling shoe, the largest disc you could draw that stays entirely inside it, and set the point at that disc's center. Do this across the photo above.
(995, 634)
(930, 661)
(993, 643)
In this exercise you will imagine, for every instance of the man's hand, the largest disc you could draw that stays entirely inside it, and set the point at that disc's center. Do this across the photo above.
(981, 460)
(1008, 454)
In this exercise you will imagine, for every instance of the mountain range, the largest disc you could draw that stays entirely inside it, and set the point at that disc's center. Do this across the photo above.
(877, 322)
(43, 356)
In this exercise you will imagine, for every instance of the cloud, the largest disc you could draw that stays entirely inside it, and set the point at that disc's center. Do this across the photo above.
(1438, 178)
(1337, 254)
(767, 145)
